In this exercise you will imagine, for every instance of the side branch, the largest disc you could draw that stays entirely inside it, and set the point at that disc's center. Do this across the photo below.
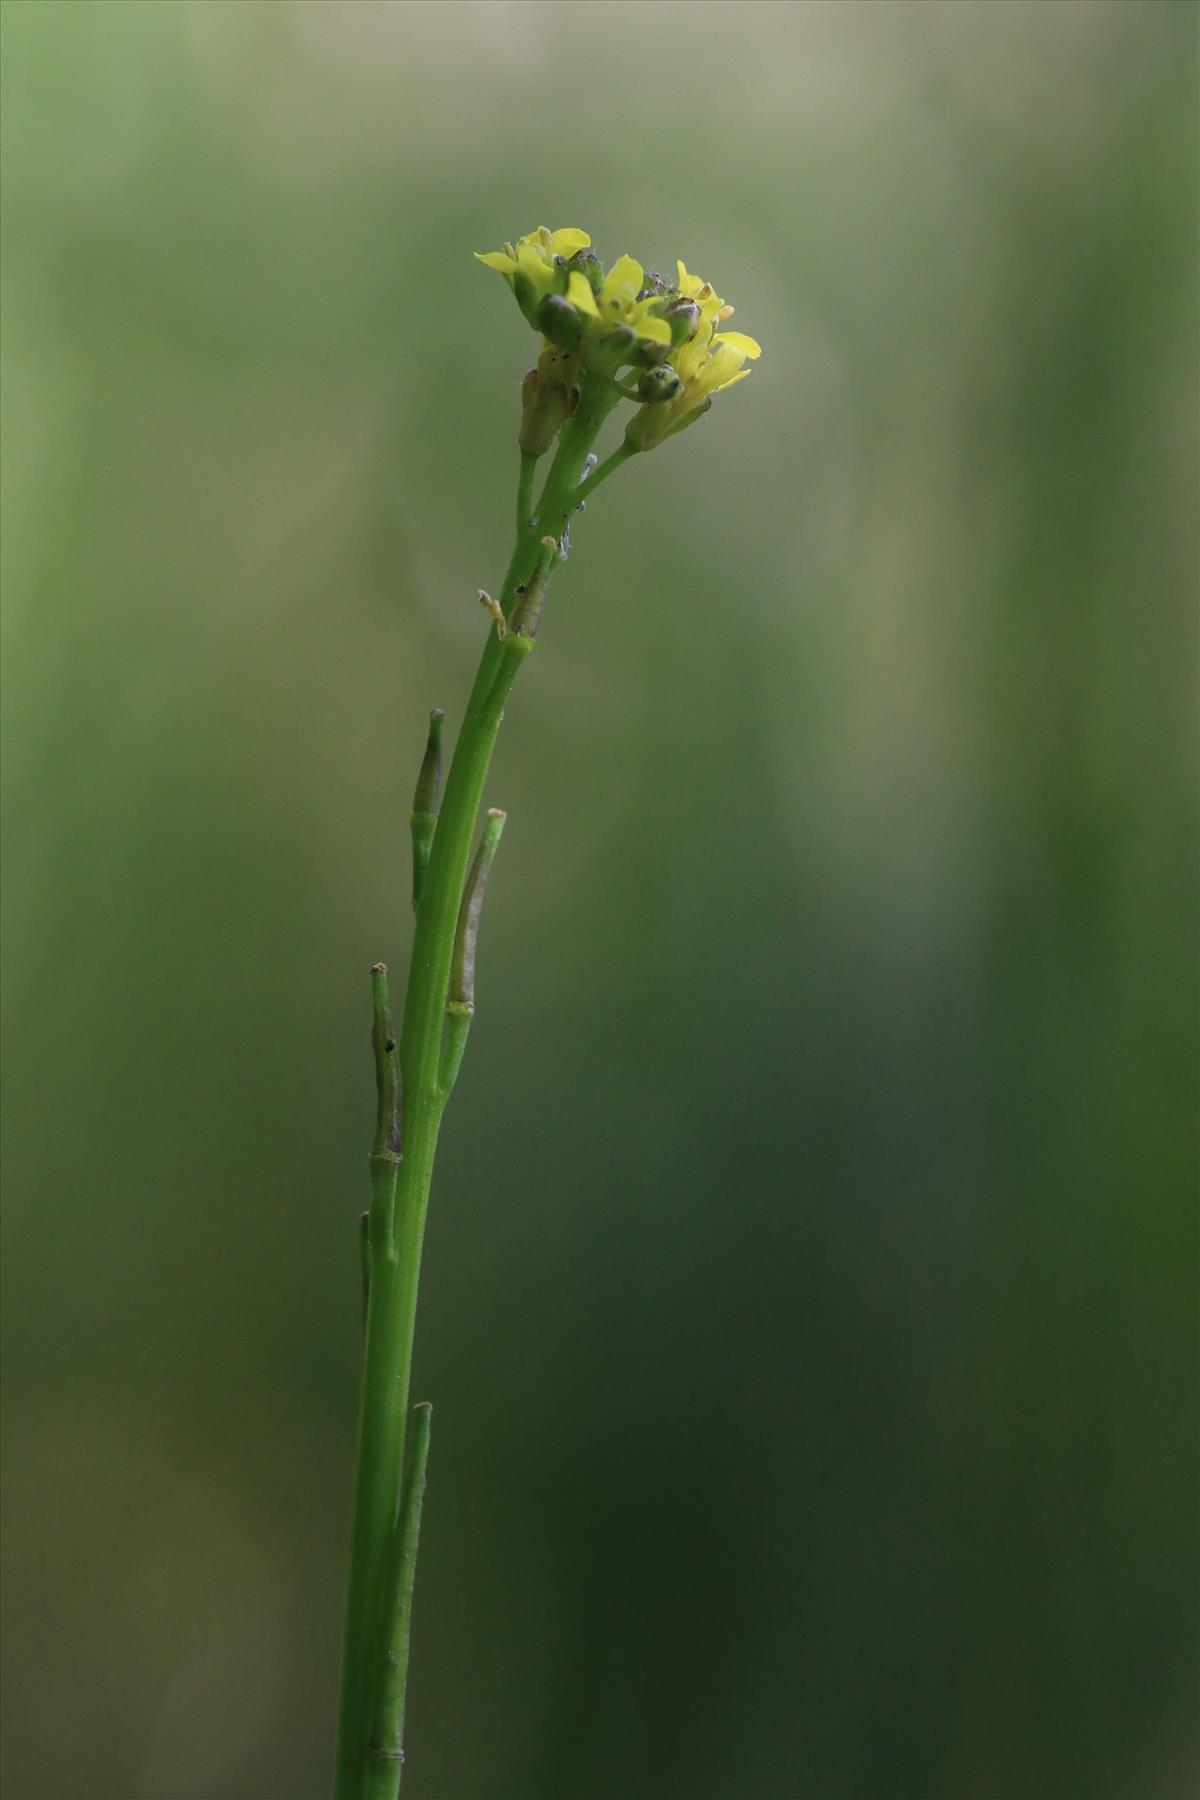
(609, 466)
(387, 1734)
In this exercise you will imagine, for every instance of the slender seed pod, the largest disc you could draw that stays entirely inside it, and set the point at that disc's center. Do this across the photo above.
(460, 999)
(462, 967)
(387, 1070)
(426, 800)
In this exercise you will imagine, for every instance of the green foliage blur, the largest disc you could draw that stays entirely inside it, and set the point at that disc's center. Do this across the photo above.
(810, 1298)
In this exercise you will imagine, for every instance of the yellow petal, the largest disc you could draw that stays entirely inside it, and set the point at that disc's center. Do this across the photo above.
(622, 282)
(691, 356)
(687, 283)
(579, 293)
(722, 369)
(565, 243)
(535, 247)
(739, 341)
(496, 259)
(534, 263)
(656, 330)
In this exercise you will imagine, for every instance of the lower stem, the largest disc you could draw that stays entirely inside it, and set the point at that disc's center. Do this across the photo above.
(400, 1200)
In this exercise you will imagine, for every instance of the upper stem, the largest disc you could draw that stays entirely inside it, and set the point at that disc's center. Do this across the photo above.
(437, 918)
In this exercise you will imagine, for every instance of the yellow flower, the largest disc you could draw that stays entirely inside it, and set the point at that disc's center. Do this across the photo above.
(707, 362)
(604, 321)
(538, 256)
(712, 307)
(534, 267)
(617, 302)
(712, 361)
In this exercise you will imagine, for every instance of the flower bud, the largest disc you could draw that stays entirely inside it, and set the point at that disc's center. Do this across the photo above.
(614, 347)
(590, 267)
(682, 316)
(527, 295)
(558, 320)
(648, 353)
(658, 384)
(653, 283)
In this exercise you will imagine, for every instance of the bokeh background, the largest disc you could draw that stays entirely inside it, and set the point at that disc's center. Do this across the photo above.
(810, 1301)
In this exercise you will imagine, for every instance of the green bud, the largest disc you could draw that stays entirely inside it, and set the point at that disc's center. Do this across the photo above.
(590, 267)
(648, 353)
(614, 347)
(659, 384)
(558, 320)
(526, 295)
(682, 316)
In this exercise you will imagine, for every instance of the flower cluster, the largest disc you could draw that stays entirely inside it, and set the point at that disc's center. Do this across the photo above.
(666, 334)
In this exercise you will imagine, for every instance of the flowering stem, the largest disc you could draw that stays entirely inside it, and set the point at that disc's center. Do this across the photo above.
(371, 1704)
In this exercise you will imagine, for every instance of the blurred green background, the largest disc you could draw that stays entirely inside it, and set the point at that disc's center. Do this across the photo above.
(810, 1300)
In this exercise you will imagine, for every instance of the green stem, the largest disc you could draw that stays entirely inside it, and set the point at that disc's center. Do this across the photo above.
(398, 1205)
(621, 454)
(529, 464)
